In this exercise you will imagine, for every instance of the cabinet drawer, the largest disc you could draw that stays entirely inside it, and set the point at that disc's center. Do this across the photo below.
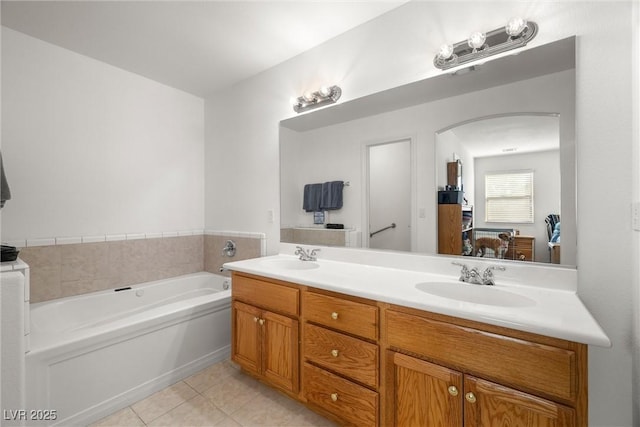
(354, 404)
(277, 298)
(348, 316)
(542, 368)
(339, 353)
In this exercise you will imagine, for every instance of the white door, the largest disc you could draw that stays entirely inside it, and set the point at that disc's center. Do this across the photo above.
(389, 187)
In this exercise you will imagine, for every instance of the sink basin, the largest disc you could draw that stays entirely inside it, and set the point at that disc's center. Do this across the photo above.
(291, 264)
(476, 294)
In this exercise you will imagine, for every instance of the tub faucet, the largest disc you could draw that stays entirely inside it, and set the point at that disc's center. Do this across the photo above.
(305, 255)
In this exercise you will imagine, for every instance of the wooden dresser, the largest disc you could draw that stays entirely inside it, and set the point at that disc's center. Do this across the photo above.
(522, 248)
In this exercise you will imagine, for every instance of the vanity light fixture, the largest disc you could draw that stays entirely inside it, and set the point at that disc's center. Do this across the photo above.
(324, 96)
(515, 34)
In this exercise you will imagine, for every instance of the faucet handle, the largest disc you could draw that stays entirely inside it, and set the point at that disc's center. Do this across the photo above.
(487, 275)
(315, 251)
(464, 274)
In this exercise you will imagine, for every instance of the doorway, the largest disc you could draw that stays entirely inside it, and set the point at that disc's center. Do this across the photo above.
(389, 195)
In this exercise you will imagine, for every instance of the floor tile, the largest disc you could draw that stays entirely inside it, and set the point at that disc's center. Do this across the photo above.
(163, 401)
(212, 375)
(232, 392)
(195, 412)
(123, 418)
(218, 396)
(268, 408)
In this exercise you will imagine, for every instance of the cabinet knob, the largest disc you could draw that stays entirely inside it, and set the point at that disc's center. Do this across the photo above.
(453, 390)
(255, 319)
(334, 396)
(334, 315)
(261, 321)
(334, 353)
(471, 398)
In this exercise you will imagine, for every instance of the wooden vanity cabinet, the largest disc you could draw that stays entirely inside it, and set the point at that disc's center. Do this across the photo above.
(367, 363)
(265, 330)
(429, 394)
(443, 371)
(341, 357)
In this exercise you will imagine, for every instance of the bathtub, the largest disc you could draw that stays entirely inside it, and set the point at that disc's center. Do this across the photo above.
(93, 354)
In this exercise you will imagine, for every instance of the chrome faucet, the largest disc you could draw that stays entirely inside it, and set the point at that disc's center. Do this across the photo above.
(305, 255)
(473, 275)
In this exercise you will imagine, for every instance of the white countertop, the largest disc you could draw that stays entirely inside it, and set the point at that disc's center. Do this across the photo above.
(550, 310)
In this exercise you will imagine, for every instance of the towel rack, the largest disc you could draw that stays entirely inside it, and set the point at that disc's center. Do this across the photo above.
(393, 225)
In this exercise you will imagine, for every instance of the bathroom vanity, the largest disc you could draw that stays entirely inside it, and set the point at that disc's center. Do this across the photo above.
(373, 345)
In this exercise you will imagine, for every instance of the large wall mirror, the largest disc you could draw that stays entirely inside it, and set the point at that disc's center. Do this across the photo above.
(391, 151)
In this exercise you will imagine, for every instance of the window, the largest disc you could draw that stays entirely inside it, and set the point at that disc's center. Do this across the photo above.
(509, 196)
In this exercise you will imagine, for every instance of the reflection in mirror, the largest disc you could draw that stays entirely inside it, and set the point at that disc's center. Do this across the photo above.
(333, 144)
(511, 188)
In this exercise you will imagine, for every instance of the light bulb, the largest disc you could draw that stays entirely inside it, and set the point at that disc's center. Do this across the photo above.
(476, 40)
(446, 50)
(294, 101)
(515, 26)
(325, 91)
(309, 96)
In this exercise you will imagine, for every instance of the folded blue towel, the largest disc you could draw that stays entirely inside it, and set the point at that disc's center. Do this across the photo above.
(331, 195)
(311, 197)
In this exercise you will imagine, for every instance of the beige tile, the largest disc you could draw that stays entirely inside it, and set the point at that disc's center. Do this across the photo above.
(123, 418)
(307, 418)
(212, 375)
(163, 401)
(233, 392)
(197, 411)
(134, 255)
(267, 408)
(246, 247)
(84, 261)
(78, 287)
(44, 263)
(228, 422)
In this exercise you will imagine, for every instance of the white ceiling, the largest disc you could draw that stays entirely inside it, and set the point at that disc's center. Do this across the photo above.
(197, 46)
(512, 134)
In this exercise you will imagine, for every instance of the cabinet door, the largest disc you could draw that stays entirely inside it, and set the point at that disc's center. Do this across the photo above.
(280, 350)
(490, 404)
(425, 394)
(246, 337)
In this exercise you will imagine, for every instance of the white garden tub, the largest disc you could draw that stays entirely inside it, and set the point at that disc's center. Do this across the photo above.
(93, 354)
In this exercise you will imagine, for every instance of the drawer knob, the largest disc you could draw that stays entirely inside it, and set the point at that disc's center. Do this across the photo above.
(453, 390)
(334, 353)
(334, 396)
(261, 321)
(471, 398)
(255, 319)
(334, 315)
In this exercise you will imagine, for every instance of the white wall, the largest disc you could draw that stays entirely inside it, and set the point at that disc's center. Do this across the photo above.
(90, 149)
(635, 90)
(242, 182)
(546, 187)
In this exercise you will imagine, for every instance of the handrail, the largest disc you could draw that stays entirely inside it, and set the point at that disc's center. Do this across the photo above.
(393, 225)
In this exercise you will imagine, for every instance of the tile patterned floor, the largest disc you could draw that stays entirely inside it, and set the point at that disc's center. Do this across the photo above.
(219, 395)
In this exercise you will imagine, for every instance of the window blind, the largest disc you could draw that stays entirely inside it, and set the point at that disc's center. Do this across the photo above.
(509, 196)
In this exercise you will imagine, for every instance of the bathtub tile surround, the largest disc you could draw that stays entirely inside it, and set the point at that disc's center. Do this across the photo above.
(70, 269)
(67, 266)
(249, 245)
(219, 395)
